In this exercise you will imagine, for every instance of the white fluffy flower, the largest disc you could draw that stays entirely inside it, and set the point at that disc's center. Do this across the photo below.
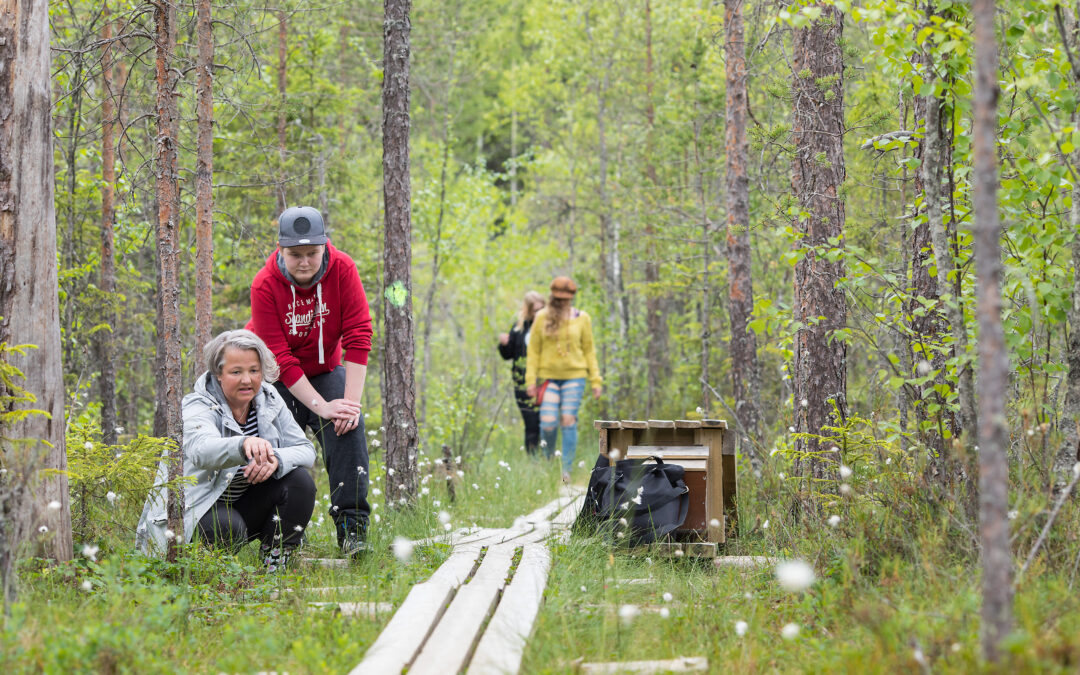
(845, 489)
(169, 534)
(794, 575)
(403, 548)
(627, 613)
(475, 486)
(444, 517)
(845, 471)
(1013, 514)
(54, 505)
(88, 445)
(90, 551)
(581, 464)
(376, 491)
(834, 520)
(615, 454)
(390, 471)
(43, 529)
(539, 492)
(765, 525)
(111, 496)
(664, 612)
(558, 453)
(714, 523)
(790, 631)
(1076, 469)
(741, 627)
(87, 586)
(667, 596)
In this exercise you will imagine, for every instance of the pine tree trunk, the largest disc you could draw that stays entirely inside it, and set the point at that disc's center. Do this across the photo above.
(106, 339)
(746, 382)
(29, 289)
(204, 179)
(817, 179)
(399, 370)
(993, 380)
(168, 253)
(655, 321)
(282, 121)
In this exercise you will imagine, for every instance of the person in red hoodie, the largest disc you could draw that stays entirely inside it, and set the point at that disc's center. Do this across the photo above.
(308, 305)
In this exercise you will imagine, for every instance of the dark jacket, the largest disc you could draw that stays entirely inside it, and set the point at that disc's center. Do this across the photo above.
(517, 349)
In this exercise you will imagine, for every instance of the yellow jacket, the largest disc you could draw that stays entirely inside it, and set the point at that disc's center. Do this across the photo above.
(567, 355)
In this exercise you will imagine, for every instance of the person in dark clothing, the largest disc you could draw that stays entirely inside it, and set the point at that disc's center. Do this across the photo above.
(514, 346)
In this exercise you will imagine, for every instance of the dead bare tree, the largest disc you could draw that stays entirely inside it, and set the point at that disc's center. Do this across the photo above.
(204, 180)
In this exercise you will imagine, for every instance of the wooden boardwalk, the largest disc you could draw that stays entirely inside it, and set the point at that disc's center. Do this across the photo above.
(477, 610)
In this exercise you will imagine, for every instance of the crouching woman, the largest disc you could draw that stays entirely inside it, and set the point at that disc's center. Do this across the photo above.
(245, 459)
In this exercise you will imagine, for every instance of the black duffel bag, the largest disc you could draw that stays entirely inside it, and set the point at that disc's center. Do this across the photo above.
(652, 498)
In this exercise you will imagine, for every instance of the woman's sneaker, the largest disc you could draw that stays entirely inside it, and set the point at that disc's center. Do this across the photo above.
(351, 539)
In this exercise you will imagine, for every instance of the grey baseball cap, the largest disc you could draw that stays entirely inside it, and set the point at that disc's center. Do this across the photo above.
(301, 226)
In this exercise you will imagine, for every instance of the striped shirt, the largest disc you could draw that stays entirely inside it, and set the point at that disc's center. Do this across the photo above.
(239, 482)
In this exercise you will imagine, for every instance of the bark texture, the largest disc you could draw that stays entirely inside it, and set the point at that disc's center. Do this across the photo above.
(282, 81)
(817, 177)
(204, 180)
(1069, 452)
(106, 339)
(399, 369)
(29, 290)
(746, 383)
(656, 349)
(993, 378)
(168, 253)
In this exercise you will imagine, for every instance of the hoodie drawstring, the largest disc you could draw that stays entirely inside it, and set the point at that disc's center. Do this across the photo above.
(319, 313)
(292, 311)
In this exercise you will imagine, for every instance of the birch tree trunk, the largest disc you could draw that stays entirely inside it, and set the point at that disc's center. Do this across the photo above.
(29, 288)
(282, 121)
(656, 347)
(106, 339)
(820, 380)
(168, 253)
(746, 382)
(399, 368)
(993, 378)
(204, 180)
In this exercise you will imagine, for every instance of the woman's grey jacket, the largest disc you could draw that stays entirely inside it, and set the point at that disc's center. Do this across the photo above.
(214, 452)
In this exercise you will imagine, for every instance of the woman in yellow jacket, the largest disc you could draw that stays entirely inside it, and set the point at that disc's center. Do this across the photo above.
(561, 356)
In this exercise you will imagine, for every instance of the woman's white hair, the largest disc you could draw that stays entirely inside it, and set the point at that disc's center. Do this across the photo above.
(214, 353)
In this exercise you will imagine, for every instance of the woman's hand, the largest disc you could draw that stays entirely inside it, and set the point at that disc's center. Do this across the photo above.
(344, 426)
(257, 472)
(345, 414)
(257, 449)
(504, 338)
(596, 391)
(531, 391)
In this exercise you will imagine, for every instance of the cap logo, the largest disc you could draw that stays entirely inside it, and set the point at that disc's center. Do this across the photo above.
(302, 225)
(305, 241)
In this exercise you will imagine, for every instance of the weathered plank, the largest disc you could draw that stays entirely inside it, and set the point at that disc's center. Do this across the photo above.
(448, 648)
(605, 424)
(684, 664)
(687, 424)
(634, 424)
(661, 424)
(747, 561)
(503, 642)
(371, 609)
(669, 451)
(331, 563)
(407, 629)
(714, 424)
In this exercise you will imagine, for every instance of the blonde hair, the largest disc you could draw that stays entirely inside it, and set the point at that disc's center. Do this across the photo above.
(558, 309)
(527, 312)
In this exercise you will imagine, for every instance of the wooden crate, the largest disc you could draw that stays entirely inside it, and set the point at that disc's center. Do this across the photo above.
(703, 448)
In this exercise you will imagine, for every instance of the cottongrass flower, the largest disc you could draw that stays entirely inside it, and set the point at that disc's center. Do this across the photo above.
(376, 517)
(1076, 469)
(427, 491)
(374, 442)
(558, 453)
(781, 475)
(834, 520)
(88, 445)
(298, 528)
(276, 518)
(583, 589)
(790, 631)
(87, 586)
(714, 523)
(437, 503)
(90, 551)
(475, 486)
(679, 553)
(627, 613)
(845, 489)
(773, 451)
(765, 525)
(543, 443)
(539, 492)
(791, 429)
(667, 596)
(169, 534)
(794, 575)
(111, 496)
(376, 491)
(1013, 514)
(664, 612)
(54, 505)
(43, 529)
(804, 403)
(845, 471)
(403, 549)
(581, 464)
(615, 454)
(741, 628)
(390, 471)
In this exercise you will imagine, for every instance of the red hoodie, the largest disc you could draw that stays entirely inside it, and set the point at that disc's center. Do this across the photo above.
(307, 327)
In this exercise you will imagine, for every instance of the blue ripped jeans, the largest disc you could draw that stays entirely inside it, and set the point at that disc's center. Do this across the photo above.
(562, 397)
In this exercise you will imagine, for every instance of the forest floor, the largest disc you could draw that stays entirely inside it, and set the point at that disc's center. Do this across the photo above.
(896, 589)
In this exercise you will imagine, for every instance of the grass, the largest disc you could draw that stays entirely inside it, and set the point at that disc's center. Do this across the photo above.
(897, 587)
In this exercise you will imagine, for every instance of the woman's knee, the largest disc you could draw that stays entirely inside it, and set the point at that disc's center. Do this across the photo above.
(548, 421)
(568, 420)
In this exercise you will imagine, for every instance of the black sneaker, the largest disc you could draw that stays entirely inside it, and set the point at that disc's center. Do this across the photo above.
(352, 539)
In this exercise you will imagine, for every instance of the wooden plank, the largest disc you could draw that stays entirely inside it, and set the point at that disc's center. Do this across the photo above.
(745, 561)
(621, 439)
(634, 424)
(407, 629)
(714, 424)
(713, 438)
(683, 664)
(450, 644)
(729, 442)
(605, 424)
(369, 609)
(330, 563)
(457, 568)
(661, 424)
(503, 643)
(687, 424)
(669, 451)
(679, 549)
(446, 537)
